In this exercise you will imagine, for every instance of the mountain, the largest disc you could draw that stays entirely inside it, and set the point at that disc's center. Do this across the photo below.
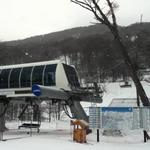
(78, 32)
(91, 49)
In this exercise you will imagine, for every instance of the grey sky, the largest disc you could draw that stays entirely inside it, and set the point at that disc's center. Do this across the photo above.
(24, 18)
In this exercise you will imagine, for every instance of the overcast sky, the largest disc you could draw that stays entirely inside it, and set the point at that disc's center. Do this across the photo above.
(24, 18)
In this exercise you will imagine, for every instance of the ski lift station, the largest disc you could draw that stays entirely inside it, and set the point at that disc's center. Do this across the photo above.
(17, 80)
(53, 81)
(57, 82)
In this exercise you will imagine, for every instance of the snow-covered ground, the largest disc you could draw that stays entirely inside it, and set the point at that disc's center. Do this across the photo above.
(114, 91)
(57, 135)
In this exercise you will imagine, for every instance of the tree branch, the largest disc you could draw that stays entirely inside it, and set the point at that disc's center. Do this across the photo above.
(106, 21)
(110, 4)
(82, 4)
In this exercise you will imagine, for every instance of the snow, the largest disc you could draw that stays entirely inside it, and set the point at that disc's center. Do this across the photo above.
(114, 91)
(57, 135)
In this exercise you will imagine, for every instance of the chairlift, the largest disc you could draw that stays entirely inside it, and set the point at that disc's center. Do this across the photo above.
(32, 123)
(125, 84)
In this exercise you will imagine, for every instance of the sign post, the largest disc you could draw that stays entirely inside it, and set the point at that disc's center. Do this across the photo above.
(97, 135)
(95, 119)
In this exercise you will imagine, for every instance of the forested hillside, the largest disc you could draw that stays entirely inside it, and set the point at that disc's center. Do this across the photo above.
(91, 49)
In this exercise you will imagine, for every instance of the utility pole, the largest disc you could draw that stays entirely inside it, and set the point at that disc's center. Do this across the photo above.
(141, 18)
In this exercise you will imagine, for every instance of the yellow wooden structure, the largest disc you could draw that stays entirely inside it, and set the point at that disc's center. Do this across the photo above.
(79, 131)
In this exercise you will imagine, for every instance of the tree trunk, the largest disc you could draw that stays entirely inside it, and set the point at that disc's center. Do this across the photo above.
(132, 72)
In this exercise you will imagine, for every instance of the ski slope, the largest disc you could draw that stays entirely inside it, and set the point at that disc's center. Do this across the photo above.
(114, 91)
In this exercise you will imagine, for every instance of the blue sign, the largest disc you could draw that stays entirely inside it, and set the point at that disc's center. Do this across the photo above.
(36, 90)
(117, 109)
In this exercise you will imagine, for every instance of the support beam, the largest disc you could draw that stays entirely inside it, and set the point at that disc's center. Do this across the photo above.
(78, 111)
(4, 101)
(2, 120)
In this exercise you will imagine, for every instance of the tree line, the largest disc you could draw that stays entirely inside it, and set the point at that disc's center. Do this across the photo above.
(95, 56)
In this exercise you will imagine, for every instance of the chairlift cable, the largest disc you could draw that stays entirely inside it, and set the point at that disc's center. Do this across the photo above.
(113, 66)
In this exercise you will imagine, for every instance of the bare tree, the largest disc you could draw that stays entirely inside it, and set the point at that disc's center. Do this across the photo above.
(103, 11)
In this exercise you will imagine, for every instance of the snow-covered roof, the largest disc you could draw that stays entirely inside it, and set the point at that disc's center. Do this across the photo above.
(30, 64)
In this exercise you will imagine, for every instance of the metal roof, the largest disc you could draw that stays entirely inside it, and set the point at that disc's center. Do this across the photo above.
(30, 64)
